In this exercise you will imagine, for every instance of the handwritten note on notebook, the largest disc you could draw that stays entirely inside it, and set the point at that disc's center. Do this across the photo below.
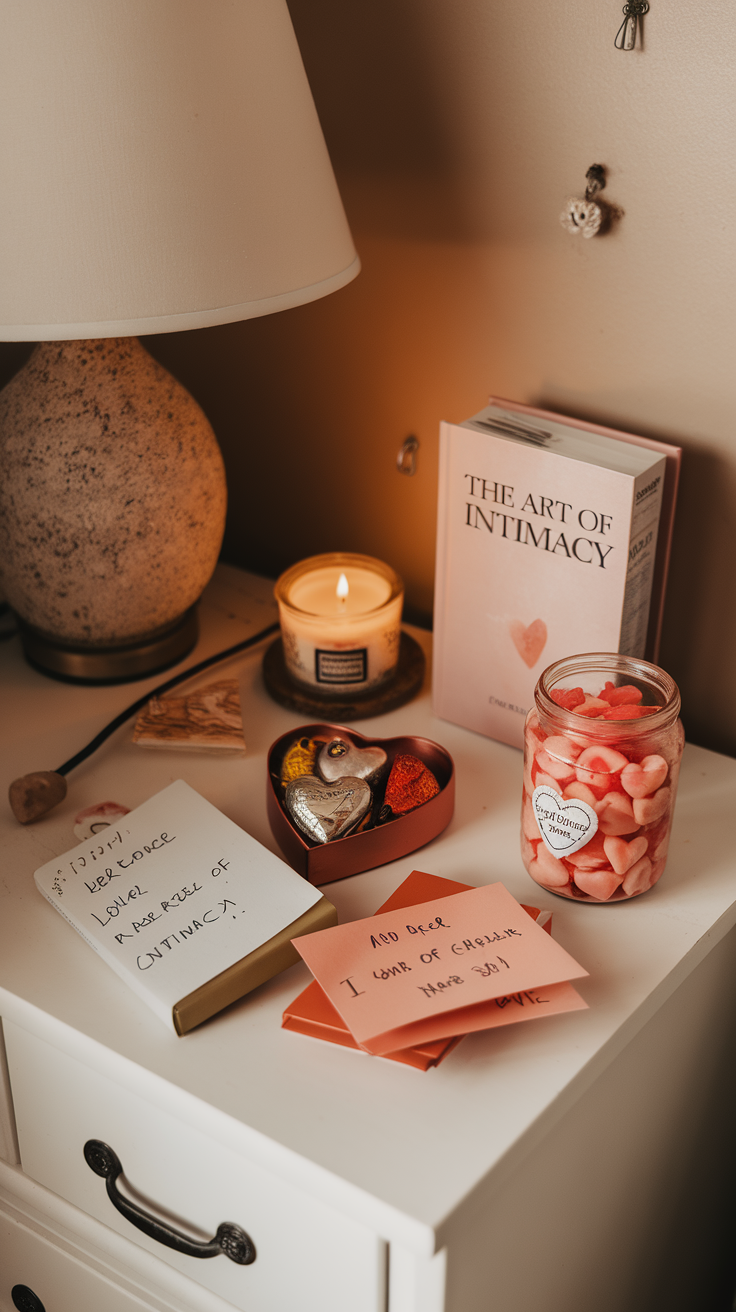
(448, 966)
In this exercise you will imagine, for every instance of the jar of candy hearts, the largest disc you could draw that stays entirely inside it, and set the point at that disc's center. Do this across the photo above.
(602, 749)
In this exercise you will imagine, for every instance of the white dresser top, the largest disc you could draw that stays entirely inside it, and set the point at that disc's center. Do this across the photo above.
(399, 1149)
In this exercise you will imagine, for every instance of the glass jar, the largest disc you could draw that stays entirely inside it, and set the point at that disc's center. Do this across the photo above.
(602, 749)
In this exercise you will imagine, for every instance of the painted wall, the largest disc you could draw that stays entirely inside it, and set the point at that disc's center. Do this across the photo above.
(457, 130)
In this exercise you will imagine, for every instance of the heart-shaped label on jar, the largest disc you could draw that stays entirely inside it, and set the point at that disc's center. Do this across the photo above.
(327, 811)
(565, 825)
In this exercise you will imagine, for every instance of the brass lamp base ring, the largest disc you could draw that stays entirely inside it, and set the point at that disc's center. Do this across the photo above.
(106, 665)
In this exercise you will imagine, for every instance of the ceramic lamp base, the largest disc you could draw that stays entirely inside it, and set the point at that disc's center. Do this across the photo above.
(112, 510)
(105, 665)
(396, 691)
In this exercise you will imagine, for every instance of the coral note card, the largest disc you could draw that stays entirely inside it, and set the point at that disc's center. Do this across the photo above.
(444, 967)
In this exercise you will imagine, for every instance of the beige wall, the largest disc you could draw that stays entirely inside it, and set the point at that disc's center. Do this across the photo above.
(457, 129)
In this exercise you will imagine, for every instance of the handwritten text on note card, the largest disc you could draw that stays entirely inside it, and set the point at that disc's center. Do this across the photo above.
(405, 967)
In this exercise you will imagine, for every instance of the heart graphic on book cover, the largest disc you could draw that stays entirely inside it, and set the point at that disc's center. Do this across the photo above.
(529, 641)
(565, 826)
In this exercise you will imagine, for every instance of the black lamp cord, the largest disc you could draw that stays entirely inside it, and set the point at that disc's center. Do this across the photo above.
(110, 728)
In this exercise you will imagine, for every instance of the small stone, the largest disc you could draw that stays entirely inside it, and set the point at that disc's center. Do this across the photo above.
(34, 794)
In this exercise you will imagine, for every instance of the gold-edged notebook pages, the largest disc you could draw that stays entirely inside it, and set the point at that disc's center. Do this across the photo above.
(260, 965)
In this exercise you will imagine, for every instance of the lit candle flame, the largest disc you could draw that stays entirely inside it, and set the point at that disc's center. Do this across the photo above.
(343, 589)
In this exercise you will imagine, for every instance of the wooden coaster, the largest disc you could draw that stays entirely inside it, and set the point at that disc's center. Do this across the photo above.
(404, 685)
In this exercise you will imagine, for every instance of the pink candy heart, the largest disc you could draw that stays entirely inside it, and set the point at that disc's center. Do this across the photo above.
(550, 782)
(623, 855)
(597, 883)
(548, 870)
(582, 792)
(647, 810)
(591, 855)
(529, 826)
(595, 766)
(639, 878)
(645, 778)
(552, 765)
(561, 747)
(616, 814)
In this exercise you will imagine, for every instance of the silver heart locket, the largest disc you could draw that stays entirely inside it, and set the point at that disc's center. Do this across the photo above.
(325, 811)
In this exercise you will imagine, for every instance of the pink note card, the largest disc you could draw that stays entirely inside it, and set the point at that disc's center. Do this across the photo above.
(450, 966)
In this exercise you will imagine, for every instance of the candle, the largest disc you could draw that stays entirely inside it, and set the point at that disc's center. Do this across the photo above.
(340, 622)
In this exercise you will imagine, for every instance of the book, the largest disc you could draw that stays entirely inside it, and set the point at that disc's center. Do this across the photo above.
(184, 905)
(552, 539)
(313, 1014)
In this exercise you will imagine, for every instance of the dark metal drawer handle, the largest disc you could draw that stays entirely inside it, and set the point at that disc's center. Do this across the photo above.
(230, 1239)
(25, 1300)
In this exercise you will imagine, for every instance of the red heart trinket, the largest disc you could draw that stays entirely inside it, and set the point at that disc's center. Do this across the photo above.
(410, 784)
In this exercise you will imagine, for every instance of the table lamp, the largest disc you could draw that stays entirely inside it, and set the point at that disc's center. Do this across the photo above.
(163, 168)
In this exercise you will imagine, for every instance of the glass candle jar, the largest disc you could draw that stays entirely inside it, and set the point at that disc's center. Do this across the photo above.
(602, 749)
(340, 620)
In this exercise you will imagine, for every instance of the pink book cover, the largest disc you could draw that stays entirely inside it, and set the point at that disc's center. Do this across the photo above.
(553, 538)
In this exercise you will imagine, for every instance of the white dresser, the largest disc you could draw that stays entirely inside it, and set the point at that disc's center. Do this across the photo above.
(573, 1164)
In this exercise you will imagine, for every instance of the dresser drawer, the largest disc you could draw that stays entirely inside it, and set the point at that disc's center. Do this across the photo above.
(60, 1281)
(307, 1255)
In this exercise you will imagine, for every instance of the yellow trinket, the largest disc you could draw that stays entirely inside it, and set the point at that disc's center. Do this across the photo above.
(299, 759)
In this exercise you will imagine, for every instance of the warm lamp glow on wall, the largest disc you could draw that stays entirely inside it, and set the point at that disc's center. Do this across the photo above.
(163, 169)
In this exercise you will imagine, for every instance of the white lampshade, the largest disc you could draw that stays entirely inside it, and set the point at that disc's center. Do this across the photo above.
(162, 167)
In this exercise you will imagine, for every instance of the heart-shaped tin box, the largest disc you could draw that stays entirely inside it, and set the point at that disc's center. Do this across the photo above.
(321, 863)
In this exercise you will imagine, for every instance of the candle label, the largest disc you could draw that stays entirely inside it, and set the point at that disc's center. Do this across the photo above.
(341, 666)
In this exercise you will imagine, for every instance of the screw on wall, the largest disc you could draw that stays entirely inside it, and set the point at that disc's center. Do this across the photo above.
(406, 460)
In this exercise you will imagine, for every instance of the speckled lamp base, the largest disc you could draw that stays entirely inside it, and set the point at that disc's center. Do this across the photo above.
(112, 507)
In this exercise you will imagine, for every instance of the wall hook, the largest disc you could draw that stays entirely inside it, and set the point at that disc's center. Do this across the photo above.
(590, 214)
(406, 460)
(633, 13)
